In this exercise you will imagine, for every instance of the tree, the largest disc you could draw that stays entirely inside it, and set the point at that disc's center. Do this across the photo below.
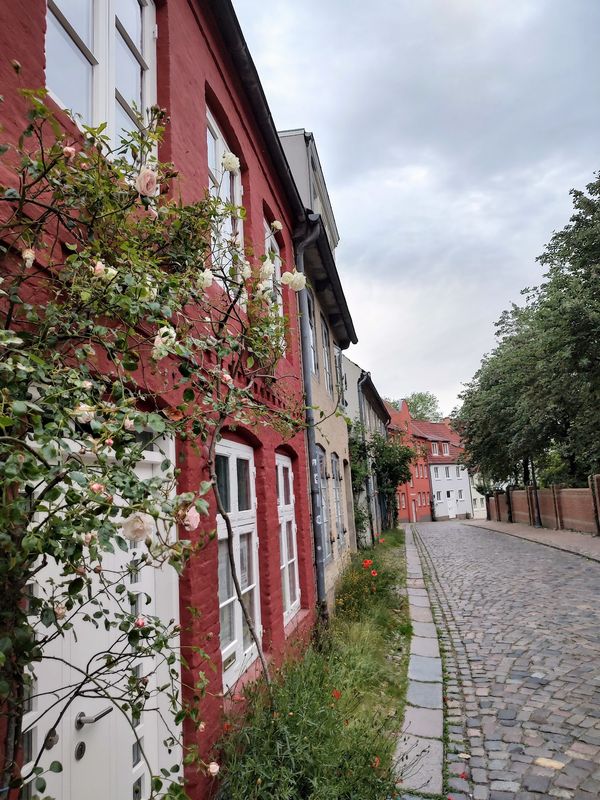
(536, 396)
(110, 342)
(391, 463)
(424, 405)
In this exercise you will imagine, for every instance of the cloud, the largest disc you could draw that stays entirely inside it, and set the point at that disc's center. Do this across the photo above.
(450, 133)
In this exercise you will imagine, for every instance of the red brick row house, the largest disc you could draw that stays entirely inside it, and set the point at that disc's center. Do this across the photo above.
(414, 497)
(99, 57)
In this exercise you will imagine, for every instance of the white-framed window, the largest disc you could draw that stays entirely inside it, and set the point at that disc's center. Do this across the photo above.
(326, 343)
(460, 494)
(236, 482)
(273, 252)
(445, 448)
(424, 470)
(339, 373)
(436, 472)
(288, 545)
(435, 449)
(337, 497)
(419, 499)
(412, 483)
(447, 470)
(101, 60)
(438, 496)
(458, 472)
(403, 500)
(313, 333)
(325, 514)
(223, 184)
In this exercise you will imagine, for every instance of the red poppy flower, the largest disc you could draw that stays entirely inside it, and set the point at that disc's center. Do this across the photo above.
(374, 573)
(226, 727)
(381, 541)
(336, 694)
(376, 762)
(368, 562)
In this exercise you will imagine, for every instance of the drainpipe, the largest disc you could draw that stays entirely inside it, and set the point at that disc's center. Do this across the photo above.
(311, 236)
(361, 410)
(537, 517)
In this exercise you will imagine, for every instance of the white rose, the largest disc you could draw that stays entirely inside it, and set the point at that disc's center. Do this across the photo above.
(165, 338)
(287, 278)
(276, 225)
(267, 270)
(129, 424)
(230, 163)
(298, 282)
(205, 279)
(28, 256)
(84, 413)
(138, 527)
(246, 270)
(213, 768)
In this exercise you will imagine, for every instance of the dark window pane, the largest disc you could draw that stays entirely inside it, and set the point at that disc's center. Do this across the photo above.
(222, 470)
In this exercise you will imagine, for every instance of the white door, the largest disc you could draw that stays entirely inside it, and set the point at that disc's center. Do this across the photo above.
(451, 503)
(91, 737)
(236, 481)
(288, 547)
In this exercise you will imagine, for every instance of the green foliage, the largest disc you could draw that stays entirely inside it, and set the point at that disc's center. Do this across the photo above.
(536, 395)
(424, 405)
(391, 462)
(105, 311)
(331, 734)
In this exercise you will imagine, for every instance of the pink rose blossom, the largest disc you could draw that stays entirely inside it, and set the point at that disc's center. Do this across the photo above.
(191, 519)
(146, 181)
(97, 488)
(213, 768)
(109, 442)
(140, 622)
(60, 611)
(69, 153)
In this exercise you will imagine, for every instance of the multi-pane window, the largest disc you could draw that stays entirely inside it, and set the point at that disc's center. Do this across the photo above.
(100, 60)
(313, 334)
(447, 471)
(403, 500)
(460, 494)
(223, 184)
(234, 464)
(436, 472)
(419, 498)
(288, 547)
(325, 514)
(434, 448)
(337, 496)
(458, 472)
(438, 496)
(446, 448)
(339, 372)
(326, 355)
(274, 256)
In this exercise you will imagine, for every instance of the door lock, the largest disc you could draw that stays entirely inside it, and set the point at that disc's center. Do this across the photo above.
(82, 719)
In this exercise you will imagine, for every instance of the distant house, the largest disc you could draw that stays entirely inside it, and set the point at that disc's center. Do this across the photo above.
(449, 478)
(414, 497)
(369, 415)
(330, 331)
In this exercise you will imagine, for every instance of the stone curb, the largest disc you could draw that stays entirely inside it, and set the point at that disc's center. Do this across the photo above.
(420, 748)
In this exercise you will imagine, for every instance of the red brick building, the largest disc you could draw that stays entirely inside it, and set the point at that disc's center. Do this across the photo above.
(191, 58)
(413, 497)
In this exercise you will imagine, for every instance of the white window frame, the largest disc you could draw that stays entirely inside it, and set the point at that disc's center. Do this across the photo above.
(337, 497)
(435, 449)
(272, 250)
(445, 448)
(102, 57)
(325, 510)
(436, 472)
(287, 516)
(326, 345)
(225, 185)
(236, 658)
(438, 497)
(403, 500)
(460, 494)
(447, 471)
(314, 366)
(458, 472)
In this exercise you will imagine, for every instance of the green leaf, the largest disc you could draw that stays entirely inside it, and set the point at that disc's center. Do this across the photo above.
(55, 766)
(79, 478)
(40, 784)
(76, 586)
(19, 407)
(189, 395)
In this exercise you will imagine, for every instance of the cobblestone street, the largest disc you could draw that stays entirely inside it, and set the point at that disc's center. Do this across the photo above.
(519, 626)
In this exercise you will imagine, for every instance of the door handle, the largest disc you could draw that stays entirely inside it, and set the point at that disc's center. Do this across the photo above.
(82, 719)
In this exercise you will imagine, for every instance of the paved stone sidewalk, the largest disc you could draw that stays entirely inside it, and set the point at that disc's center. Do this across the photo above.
(520, 633)
(571, 541)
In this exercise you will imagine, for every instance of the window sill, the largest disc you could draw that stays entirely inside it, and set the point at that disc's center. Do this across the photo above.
(299, 618)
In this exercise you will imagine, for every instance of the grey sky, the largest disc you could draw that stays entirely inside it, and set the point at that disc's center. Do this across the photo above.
(450, 133)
